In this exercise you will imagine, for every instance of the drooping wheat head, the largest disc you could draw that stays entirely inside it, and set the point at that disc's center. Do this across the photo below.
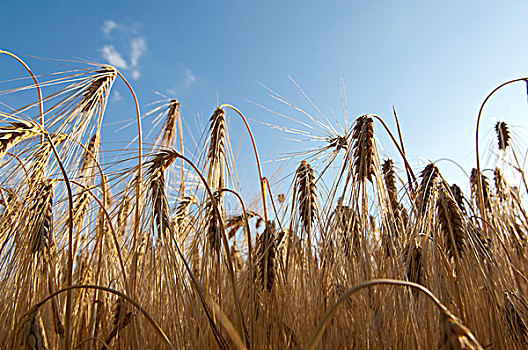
(182, 209)
(30, 337)
(455, 336)
(97, 89)
(15, 133)
(516, 313)
(121, 318)
(337, 143)
(236, 222)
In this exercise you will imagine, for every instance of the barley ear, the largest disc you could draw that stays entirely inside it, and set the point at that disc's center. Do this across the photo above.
(451, 224)
(455, 336)
(363, 138)
(266, 253)
(503, 135)
(306, 195)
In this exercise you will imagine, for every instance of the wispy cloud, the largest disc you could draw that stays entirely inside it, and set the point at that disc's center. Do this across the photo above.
(108, 26)
(116, 96)
(113, 57)
(139, 47)
(136, 74)
(189, 77)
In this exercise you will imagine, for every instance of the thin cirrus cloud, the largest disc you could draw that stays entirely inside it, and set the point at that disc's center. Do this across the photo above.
(109, 26)
(139, 46)
(116, 96)
(116, 57)
(189, 77)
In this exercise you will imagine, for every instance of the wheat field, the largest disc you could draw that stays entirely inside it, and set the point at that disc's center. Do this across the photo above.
(150, 247)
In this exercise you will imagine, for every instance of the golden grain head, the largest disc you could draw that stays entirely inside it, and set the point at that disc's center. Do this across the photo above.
(363, 138)
(455, 336)
(503, 135)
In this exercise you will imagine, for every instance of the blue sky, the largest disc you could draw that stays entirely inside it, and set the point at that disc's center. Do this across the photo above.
(434, 61)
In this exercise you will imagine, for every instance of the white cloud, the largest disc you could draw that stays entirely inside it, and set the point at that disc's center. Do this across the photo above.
(190, 78)
(113, 57)
(136, 74)
(116, 55)
(139, 46)
(116, 96)
(108, 26)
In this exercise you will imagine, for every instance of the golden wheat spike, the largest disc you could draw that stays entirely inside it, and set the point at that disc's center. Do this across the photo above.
(363, 138)
(266, 253)
(15, 133)
(306, 195)
(455, 336)
(452, 224)
(503, 135)
(97, 88)
(41, 234)
(170, 125)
